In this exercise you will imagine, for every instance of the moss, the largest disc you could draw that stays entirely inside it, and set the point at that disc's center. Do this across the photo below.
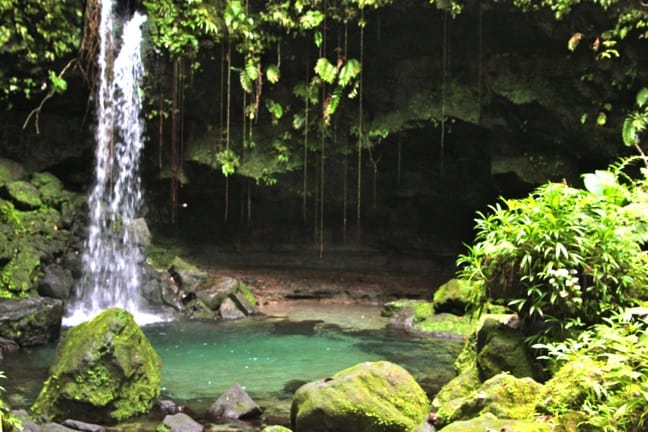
(50, 188)
(19, 276)
(24, 194)
(489, 422)
(378, 396)
(443, 324)
(453, 296)
(247, 293)
(275, 428)
(104, 367)
(393, 308)
(501, 348)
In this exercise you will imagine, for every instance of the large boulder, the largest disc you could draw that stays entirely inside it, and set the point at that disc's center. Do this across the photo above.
(181, 422)
(453, 296)
(503, 395)
(24, 195)
(31, 321)
(501, 348)
(57, 282)
(104, 369)
(368, 397)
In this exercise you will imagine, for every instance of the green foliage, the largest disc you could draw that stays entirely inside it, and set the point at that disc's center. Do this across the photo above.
(229, 161)
(617, 355)
(636, 122)
(564, 258)
(36, 33)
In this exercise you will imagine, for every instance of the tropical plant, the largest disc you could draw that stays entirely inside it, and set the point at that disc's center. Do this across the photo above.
(563, 258)
(617, 400)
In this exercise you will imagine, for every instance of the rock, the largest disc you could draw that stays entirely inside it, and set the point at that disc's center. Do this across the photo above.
(182, 423)
(233, 404)
(50, 188)
(82, 426)
(570, 385)
(139, 230)
(166, 407)
(10, 171)
(489, 422)
(369, 397)
(501, 348)
(452, 297)
(25, 196)
(503, 395)
(7, 347)
(31, 321)
(55, 427)
(19, 273)
(73, 261)
(275, 428)
(229, 310)
(30, 426)
(189, 276)
(418, 317)
(57, 282)
(215, 290)
(245, 300)
(104, 369)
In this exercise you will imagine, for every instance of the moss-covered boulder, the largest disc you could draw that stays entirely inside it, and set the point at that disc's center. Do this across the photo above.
(24, 195)
(570, 386)
(503, 395)
(368, 397)
(419, 317)
(187, 275)
(501, 348)
(19, 276)
(275, 428)
(104, 369)
(50, 188)
(489, 422)
(452, 296)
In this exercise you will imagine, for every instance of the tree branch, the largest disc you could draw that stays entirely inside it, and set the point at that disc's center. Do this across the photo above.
(36, 111)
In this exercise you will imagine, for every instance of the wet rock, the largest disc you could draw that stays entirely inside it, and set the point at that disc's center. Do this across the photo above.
(24, 195)
(139, 231)
(31, 321)
(167, 407)
(379, 396)
(57, 282)
(244, 300)
(292, 386)
(49, 187)
(215, 290)
(104, 369)
(188, 275)
(235, 403)
(229, 310)
(82, 426)
(182, 423)
(73, 261)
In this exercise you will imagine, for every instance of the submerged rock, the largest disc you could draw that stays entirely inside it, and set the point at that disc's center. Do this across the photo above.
(235, 403)
(368, 397)
(31, 321)
(104, 369)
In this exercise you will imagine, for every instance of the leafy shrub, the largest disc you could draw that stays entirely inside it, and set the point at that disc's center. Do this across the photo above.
(618, 352)
(564, 258)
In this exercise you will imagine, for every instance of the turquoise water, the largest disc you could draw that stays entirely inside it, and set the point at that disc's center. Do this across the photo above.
(269, 356)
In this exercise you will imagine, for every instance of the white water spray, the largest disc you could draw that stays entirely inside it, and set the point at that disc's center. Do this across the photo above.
(112, 259)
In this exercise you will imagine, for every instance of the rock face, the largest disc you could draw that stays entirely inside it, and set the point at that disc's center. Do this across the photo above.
(32, 321)
(368, 397)
(234, 404)
(104, 369)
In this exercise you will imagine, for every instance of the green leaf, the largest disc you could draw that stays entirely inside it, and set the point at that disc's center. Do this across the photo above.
(601, 119)
(311, 19)
(325, 70)
(59, 85)
(252, 70)
(642, 97)
(318, 38)
(274, 108)
(272, 73)
(349, 71)
(629, 132)
(246, 83)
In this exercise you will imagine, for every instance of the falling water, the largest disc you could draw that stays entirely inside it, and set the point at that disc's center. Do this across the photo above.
(112, 258)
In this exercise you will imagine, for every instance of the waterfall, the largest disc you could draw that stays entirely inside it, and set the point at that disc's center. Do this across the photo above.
(112, 259)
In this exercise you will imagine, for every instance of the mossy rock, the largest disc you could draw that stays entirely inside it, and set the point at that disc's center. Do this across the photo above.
(368, 397)
(31, 321)
(570, 386)
(501, 348)
(104, 369)
(50, 188)
(394, 308)
(489, 422)
(452, 296)
(189, 275)
(442, 325)
(24, 195)
(10, 171)
(19, 276)
(275, 428)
